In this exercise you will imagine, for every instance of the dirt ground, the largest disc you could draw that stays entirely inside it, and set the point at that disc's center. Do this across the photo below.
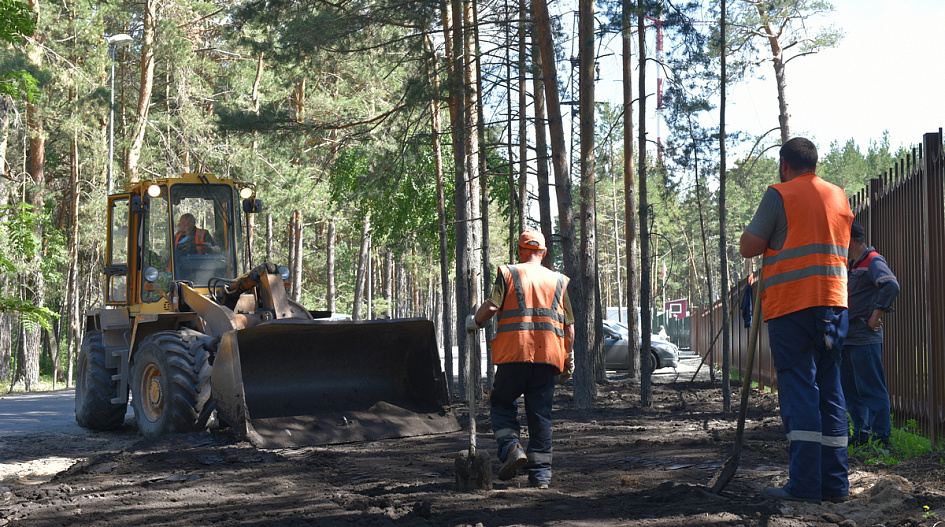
(617, 464)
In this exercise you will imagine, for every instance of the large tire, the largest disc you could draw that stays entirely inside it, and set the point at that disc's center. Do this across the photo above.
(170, 383)
(95, 389)
(654, 361)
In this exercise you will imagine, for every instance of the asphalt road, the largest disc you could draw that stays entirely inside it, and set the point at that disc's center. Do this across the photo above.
(36, 412)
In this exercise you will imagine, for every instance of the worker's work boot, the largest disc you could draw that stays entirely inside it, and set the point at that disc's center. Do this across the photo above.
(514, 460)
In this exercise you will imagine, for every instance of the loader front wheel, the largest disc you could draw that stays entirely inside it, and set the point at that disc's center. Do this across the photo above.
(95, 389)
(170, 384)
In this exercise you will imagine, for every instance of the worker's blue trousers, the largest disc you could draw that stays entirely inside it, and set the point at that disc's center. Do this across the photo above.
(812, 405)
(864, 387)
(537, 383)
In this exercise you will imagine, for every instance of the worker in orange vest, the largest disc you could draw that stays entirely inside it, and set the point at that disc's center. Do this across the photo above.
(532, 349)
(190, 240)
(802, 227)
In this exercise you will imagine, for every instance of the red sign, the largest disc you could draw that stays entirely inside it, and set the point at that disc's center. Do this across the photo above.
(677, 308)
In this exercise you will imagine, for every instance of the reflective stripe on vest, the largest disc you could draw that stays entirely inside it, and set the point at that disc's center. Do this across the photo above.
(525, 331)
(811, 269)
(198, 239)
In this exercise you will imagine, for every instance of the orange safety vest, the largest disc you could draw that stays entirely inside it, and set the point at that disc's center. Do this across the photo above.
(811, 269)
(198, 239)
(526, 331)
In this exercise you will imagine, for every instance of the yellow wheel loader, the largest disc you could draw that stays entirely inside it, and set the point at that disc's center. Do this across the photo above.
(183, 336)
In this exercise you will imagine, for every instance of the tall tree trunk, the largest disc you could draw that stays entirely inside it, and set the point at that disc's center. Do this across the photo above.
(269, 240)
(72, 290)
(486, 269)
(458, 123)
(361, 276)
(723, 243)
(447, 324)
(297, 255)
(646, 390)
(30, 344)
(6, 105)
(144, 90)
(586, 377)
(559, 159)
(541, 160)
(474, 237)
(522, 198)
(330, 293)
(388, 281)
(780, 77)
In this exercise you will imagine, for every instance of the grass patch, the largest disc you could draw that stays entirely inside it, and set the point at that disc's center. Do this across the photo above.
(904, 443)
(45, 384)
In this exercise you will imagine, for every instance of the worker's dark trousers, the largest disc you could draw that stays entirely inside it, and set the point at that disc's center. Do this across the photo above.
(812, 405)
(864, 388)
(537, 383)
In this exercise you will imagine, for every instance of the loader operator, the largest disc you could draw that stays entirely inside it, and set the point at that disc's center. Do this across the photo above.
(802, 227)
(532, 348)
(190, 240)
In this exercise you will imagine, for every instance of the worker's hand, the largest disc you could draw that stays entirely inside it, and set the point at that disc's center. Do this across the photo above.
(568, 369)
(471, 325)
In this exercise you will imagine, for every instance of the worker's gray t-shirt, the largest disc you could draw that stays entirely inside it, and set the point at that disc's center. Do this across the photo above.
(770, 221)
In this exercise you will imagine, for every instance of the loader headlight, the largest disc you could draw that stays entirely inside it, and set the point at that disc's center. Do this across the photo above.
(284, 271)
(154, 191)
(150, 274)
(246, 192)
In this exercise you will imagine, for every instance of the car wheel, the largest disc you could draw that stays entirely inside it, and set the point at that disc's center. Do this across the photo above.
(654, 361)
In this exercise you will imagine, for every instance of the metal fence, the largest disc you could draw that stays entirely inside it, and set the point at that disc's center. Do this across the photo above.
(903, 211)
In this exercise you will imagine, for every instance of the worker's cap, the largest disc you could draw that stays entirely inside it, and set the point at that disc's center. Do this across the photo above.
(857, 231)
(531, 239)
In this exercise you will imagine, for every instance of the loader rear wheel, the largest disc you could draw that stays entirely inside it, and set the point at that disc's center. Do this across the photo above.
(95, 389)
(170, 383)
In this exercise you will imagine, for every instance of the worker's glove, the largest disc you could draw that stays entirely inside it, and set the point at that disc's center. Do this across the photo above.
(471, 325)
(568, 369)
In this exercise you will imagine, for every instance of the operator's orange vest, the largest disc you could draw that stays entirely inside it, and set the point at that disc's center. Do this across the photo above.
(811, 269)
(527, 331)
(198, 239)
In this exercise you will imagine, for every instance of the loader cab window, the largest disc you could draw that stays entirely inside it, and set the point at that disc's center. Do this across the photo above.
(155, 246)
(116, 269)
(204, 238)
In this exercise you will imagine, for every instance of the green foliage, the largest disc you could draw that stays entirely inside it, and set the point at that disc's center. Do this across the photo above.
(16, 20)
(905, 443)
(19, 256)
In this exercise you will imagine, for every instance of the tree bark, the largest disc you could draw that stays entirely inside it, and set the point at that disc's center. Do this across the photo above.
(541, 161)
(586, 377)
(330, 292)
(646, 390)
(361, 276)
(569, 249)
(629, 196)
(723, 243)
(144, 91)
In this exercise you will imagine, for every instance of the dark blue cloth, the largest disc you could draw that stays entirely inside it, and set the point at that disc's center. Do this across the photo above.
(805, 347)
(864, 388)
(748, 301)
(871, 286)
(537, 383)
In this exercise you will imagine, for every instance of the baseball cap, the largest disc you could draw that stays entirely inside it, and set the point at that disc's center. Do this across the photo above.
(857, 231)
(531, 239)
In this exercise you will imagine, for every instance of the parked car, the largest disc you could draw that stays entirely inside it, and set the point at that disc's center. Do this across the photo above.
(663, 354)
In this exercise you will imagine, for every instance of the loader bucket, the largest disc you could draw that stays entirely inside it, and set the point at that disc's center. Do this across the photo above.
(293, 382)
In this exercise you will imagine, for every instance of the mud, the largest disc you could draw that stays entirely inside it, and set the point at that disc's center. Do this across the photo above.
(618, 464)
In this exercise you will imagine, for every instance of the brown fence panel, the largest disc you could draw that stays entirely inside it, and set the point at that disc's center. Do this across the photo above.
(904, 212)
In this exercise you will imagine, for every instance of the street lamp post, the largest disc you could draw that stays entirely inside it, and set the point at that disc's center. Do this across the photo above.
(114, 41)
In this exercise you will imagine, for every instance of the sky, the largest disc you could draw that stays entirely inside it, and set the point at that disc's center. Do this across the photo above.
(886, 74)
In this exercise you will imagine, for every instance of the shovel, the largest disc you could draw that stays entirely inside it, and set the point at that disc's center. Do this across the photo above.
(473, 467)
(727, 472)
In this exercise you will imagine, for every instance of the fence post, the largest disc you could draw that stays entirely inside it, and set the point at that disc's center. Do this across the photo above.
(932, 168)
